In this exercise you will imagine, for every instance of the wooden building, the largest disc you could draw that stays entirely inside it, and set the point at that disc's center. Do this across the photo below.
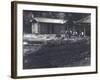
(48, 25)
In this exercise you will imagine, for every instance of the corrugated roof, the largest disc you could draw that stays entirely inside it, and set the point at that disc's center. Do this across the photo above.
(84, 20)
(50, 20)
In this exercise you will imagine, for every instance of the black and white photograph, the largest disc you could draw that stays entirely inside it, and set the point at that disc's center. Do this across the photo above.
(53, 39)
(56, 39)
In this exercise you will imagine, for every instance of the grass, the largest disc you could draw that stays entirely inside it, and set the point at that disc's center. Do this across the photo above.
(58, 54)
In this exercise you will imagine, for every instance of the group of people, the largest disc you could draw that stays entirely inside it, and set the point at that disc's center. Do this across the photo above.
(70, 34)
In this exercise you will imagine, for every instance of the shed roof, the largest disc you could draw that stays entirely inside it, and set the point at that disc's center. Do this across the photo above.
(50, 20)
(84, 20)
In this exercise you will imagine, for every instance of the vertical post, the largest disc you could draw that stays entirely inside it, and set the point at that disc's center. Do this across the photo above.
(67, 27)
(34, 27)
(73, 28)
(38, 27)
(84, 32)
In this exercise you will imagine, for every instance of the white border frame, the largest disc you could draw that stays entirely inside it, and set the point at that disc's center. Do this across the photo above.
(66, 70)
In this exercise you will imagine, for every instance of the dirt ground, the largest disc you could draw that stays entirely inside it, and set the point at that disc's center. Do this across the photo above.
(50, 55)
